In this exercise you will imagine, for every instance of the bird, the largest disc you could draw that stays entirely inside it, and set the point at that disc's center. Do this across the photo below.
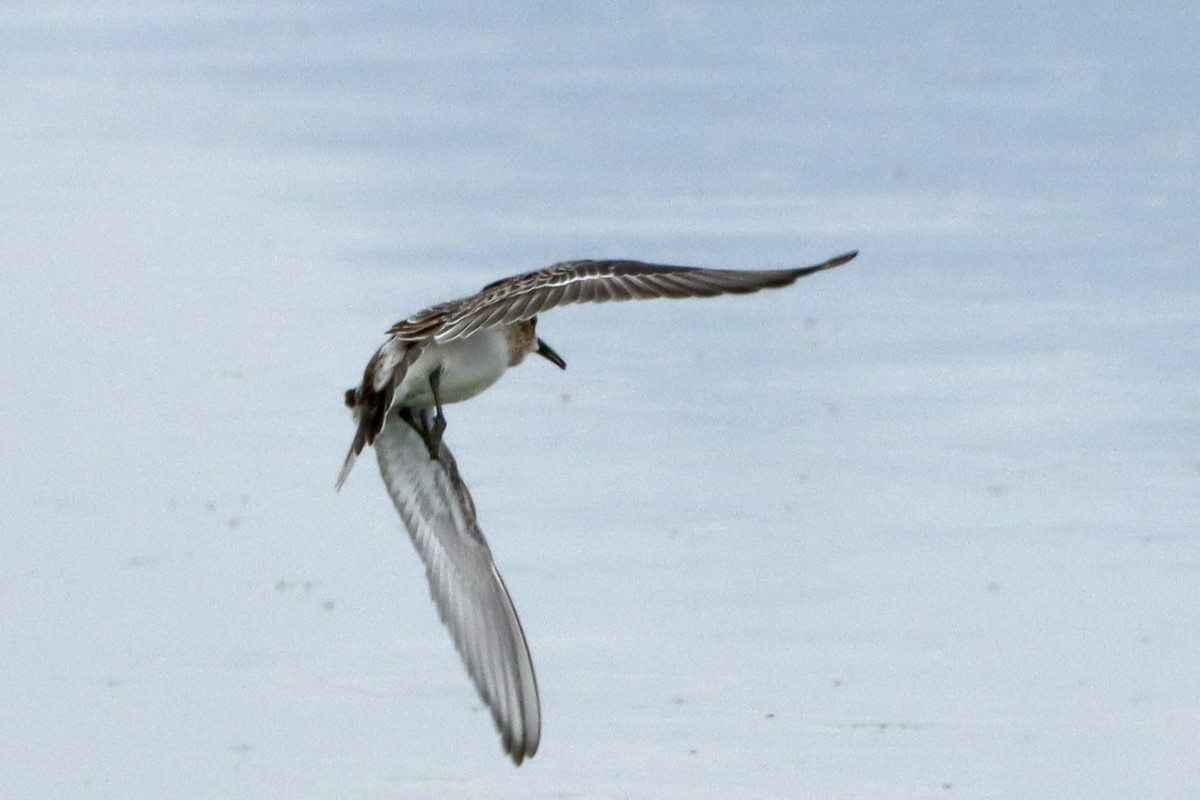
(451, 352)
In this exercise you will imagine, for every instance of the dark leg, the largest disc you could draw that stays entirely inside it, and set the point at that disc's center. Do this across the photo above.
(433, 440)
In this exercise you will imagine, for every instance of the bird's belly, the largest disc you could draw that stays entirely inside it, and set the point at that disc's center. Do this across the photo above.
(468, 366)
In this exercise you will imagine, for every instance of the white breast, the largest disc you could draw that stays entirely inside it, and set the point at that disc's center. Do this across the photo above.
(468, 367)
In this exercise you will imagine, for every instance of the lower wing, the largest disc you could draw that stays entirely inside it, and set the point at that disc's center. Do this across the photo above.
(469, 593)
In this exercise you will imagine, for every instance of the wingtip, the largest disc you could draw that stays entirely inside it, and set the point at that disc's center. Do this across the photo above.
(521, 751)
(837, 261)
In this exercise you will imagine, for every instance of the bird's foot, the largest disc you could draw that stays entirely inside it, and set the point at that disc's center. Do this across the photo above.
(433, 436)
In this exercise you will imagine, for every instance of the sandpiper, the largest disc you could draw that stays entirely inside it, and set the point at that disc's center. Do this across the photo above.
(452, 352)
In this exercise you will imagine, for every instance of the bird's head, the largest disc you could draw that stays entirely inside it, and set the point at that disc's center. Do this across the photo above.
(523, 340)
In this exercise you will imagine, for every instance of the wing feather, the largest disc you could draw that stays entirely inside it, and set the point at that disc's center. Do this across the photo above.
(521, 297)
(467, 589)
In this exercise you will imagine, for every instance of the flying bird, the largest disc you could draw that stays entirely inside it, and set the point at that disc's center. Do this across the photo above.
(451, 352)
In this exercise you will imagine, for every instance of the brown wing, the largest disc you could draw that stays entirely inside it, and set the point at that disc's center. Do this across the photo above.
(524, 296)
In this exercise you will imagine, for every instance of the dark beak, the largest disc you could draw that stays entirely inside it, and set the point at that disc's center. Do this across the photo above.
(547, 352)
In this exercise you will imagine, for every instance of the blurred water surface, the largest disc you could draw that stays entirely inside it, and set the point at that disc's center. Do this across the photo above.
(925, 524)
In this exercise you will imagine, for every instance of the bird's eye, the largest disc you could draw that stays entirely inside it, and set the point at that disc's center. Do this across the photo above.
(533, 321)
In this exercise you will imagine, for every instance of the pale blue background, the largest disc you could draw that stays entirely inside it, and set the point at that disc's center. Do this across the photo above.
(925, 526)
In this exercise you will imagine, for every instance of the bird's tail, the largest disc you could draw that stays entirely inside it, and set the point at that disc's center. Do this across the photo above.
(370, 409)
(354, 403)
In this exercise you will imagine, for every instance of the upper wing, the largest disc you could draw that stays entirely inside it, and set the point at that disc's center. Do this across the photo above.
(470, 595)
(524, 296)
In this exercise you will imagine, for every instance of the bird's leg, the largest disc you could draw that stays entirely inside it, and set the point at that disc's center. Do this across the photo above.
(433, 438)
